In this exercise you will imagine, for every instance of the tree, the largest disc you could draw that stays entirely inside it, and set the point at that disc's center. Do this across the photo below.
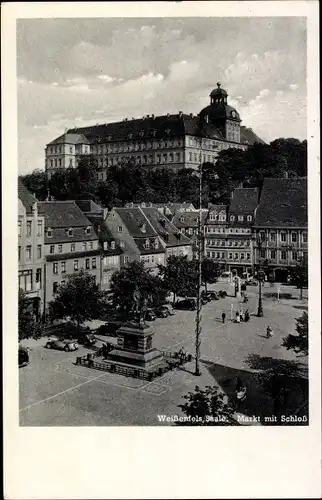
(179, 275)
(36, 183)
(299, 274)
(79, 299)
(28, 327)
(207, 407)
(299, 343)
(136, 276)
(210, 271)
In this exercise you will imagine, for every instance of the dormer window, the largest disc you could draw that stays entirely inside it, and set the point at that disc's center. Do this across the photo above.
(147, 244)
(213, 216)
(232, 217)
(141, 133)
(181, 219)
(156, 243)
(249, 218)
(113, 245)
(120, 229)
(240, 218)
(143, 227)
(70, 231)
(49, 232)
(105, 245)
(88, 230)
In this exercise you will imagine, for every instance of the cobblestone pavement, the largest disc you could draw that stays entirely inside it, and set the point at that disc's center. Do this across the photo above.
(56, 392)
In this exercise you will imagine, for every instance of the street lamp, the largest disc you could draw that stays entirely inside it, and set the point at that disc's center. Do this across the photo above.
(199, 248)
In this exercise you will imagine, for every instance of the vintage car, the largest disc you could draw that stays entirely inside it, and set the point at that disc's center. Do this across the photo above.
(62, 345)
(23, 356)
(186, 304)
(161, 312)
(87, 339)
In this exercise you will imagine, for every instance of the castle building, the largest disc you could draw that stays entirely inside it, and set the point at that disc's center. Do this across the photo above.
(173, 141)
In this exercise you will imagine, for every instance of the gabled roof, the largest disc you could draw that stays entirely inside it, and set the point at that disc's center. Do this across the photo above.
(216, 208)
(244, 200)
(27, 199)
(283, 203)
(71, 137)
(63, 214)
(163, 226)
(189, 219)
(135, 222)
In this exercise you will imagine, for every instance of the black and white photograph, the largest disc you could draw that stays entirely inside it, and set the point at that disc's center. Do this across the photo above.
(164, 274)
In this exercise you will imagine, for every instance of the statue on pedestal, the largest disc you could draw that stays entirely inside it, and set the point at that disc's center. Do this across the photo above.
(140, 306)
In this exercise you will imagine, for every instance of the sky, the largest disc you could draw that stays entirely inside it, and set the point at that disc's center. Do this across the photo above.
(75, 72)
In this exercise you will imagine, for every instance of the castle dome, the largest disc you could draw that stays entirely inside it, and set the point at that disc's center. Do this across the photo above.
(218, 108)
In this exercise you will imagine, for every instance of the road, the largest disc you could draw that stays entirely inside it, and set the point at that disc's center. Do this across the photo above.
(56, 392)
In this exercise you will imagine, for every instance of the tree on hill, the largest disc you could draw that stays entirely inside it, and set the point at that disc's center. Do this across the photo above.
(79, 300)
(299, 343)
(135, 276)
(36, 183)
(207, 407)
(28, 326)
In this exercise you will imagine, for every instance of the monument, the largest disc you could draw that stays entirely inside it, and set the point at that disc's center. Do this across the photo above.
(135, 340)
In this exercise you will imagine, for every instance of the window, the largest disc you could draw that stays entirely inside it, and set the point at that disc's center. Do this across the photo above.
(28, 252)
(55, 268)
(70, 231)
(49, 232)
(75, 265)
(147, 244)
(120, 229)
(304, 237)
(242, 256)
(113, 245)
(273, 254)
(52, 249)
(28, 228)
(249, 218)
(213, 216)
(63, 282)
(208, 254)
(70, 149)
(230, 255)
(262, 254)
(72, 247)
(222, 255)
(283, 237)
(87, 262)
(60, 248)
(90, 245)
(39, 228)
(19, 227)
(262, 235)
(88, 230)
(122, 244)
(94, 263)
(84, 246)
(218, 255)
(272, 237)
(283, 255)
(232, 217)
(38, 279)
(156, 243)
(55, 287)
(236, 256)
(38, 251)
(63, 267)
(190, 156)
(294, 237)
(240, 218)
(294, 255)
(19, 252)
(126, 259)
(248, 256)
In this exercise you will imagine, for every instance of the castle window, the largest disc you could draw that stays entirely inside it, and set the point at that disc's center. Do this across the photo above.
(232, 218)
(240, 218)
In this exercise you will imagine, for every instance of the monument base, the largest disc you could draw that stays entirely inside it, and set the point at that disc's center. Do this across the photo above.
(134, 347)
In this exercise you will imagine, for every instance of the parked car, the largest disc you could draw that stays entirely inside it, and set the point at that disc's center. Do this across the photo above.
(186, 304)
(23, 356)
(205, 297)
(87, 339)
(110, 328)
(222, 294)
(211, 296)
(169, 308)
(161, 312)
(150, 315)
(62, 345)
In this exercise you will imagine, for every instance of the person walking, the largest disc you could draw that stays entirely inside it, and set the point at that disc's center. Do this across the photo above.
(246, 316)
(269, 332)
(237, 317)
(223, 317)
(241, 315)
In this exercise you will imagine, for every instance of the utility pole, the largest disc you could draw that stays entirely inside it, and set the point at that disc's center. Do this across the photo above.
(198, 313)
(260, 276)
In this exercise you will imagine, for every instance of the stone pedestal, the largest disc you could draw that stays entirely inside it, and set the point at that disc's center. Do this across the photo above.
(135, 347)
(237, 288)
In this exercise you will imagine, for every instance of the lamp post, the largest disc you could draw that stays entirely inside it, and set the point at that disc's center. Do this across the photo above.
(199, 247)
